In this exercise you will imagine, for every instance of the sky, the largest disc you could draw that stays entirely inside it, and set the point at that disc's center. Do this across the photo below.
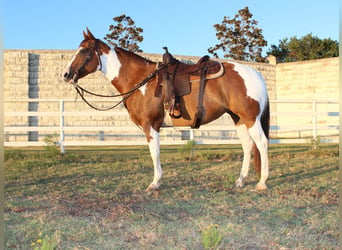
(184, 26)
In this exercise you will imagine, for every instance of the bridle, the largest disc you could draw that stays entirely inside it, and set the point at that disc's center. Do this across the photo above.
(80, 90)
(87, 58)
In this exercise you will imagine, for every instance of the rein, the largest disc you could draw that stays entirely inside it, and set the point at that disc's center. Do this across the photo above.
(80, 90)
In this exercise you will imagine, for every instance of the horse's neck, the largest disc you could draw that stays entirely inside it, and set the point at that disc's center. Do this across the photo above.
(124, 73)
(110, 64)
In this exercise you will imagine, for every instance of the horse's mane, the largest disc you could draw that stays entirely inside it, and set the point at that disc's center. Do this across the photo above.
(136, 56)
(124, 51)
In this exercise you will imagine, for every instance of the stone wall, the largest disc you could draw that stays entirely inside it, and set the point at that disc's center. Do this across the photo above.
(31, 74)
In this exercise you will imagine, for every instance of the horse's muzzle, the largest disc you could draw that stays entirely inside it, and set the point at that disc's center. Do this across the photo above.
(72, 78)
(66, 76)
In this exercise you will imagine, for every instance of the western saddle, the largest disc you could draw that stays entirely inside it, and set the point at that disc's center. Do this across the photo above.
(175, 76)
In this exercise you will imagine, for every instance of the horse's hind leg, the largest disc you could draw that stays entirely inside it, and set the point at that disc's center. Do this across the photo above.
(247, 145)
(154, 146)
(261, 141)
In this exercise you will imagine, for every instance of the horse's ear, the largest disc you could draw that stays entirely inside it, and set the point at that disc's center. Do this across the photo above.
(90, 35)
(85, 35)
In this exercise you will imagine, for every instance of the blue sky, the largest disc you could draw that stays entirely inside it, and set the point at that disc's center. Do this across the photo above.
(186, 27)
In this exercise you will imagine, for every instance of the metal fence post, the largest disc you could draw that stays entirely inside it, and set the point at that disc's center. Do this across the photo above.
(192, 136)
(314, 120)
(61, 127)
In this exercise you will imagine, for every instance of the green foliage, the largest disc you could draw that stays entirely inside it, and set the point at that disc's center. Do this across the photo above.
(46, 242)
(316, 142)
(189, 149)
(239, 38)
(211, 237)
(13, 155)
(125, 34)
(307, 47)
(51, 147)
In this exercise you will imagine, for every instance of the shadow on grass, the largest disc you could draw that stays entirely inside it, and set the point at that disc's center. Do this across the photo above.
(97, 197)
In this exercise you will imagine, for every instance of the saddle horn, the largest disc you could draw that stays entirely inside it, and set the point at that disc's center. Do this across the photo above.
(168, 58)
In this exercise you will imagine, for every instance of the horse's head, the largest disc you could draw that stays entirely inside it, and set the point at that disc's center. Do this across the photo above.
(86, 60)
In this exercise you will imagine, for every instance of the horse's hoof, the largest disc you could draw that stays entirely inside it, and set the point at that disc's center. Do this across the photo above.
(151, 188)
(239, 183)
(261, 187)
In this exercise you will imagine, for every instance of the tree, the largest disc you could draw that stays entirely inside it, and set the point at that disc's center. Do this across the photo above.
(307, 47)
(125, 34)
(239, 38)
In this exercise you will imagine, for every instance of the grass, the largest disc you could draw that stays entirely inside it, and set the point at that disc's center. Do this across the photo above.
(94, 198)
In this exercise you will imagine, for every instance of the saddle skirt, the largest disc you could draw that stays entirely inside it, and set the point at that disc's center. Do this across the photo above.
(183, 75)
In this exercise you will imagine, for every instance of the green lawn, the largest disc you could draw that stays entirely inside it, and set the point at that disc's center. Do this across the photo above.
(94, 198)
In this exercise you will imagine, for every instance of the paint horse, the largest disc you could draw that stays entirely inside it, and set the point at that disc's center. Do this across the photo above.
(240, 91)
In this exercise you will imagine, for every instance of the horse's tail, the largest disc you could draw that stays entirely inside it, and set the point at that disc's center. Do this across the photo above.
(265, 124)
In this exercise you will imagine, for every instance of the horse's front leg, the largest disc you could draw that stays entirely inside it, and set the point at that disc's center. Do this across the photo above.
(154, 145)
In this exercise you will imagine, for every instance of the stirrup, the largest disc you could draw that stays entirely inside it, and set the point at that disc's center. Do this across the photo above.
(175, 111)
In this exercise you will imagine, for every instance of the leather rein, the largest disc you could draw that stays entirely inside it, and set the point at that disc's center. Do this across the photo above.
(80, 90)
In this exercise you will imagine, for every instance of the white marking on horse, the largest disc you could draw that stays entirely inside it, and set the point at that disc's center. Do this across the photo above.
(72, 59)
(247, 145)
(78, 51)
(261, 142)
(110, 64)
(154, 145)
(254, 82)
(167, 122)
(143, 89)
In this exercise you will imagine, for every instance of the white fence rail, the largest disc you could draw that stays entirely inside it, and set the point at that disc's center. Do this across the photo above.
(291, 122)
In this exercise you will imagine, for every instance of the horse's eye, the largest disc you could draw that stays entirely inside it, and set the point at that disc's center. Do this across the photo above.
(84, 51)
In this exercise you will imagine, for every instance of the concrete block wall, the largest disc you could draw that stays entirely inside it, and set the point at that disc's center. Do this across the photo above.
(307, 81)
